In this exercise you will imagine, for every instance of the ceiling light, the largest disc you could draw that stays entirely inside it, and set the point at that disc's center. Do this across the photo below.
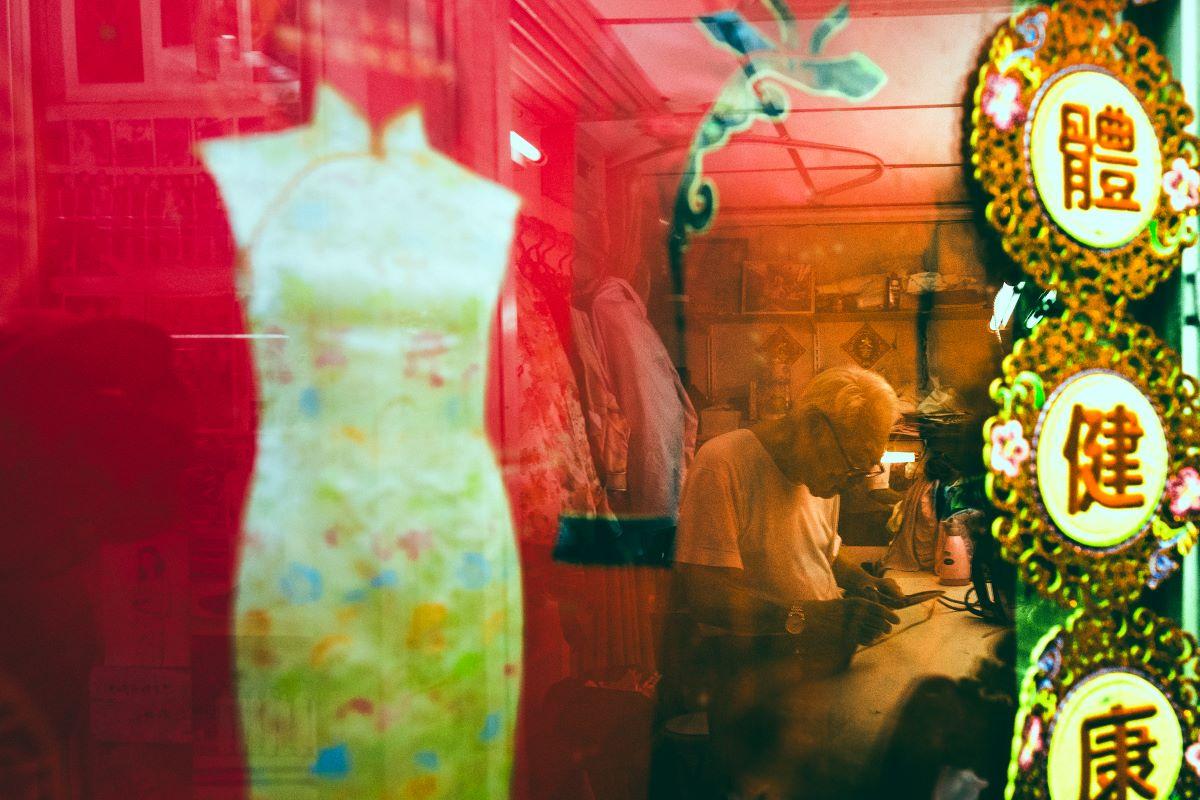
(523, 151)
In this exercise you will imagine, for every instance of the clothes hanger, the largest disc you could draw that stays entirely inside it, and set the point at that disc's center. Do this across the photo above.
(876, 164)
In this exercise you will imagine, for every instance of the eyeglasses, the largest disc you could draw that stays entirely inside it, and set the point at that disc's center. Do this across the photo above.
(852, 472)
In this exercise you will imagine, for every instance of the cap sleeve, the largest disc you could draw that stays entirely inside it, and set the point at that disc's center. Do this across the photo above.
(708, 530)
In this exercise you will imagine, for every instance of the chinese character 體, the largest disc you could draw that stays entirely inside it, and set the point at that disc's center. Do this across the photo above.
(1112, 146)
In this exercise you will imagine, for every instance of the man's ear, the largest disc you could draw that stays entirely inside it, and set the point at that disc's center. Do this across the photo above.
(808, 422)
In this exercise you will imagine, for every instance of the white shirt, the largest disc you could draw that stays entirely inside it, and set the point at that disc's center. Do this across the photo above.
(739, 511)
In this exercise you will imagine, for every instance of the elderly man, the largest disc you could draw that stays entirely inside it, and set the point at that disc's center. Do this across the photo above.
(757, 544)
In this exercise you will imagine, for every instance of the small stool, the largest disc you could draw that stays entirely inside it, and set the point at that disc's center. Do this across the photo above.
(685, 743)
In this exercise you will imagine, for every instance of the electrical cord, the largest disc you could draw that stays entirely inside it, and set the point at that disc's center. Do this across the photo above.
(971, 603)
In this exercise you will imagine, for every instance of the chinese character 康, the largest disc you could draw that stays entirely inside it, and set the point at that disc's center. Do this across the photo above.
(1105, 466)
(1116, 755)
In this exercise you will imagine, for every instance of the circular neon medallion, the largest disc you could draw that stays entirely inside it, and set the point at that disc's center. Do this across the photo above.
(1079, 140)
(1091, 458)
(1095, 157)
(1101, 459)
(1108, 710)
(1115, 735)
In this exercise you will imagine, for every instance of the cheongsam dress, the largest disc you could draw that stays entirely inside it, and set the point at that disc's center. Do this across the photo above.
(378, 614)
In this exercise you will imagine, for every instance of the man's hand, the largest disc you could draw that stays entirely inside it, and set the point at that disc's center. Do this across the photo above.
(866, 621)
(889, 588)
(849, 622)
(859, 583)
(877, 589)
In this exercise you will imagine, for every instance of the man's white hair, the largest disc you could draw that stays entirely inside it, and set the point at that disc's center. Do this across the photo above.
(860, 404)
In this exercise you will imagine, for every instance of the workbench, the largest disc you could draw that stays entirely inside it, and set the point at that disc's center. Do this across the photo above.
(835, 730)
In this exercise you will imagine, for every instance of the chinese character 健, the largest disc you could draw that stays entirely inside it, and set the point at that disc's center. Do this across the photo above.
(1116, 755)
(1105, 466)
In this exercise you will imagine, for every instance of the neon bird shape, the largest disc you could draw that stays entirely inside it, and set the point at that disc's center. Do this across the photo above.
(758, 91)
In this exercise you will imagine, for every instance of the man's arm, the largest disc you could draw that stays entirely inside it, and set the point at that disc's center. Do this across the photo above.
(715, 597)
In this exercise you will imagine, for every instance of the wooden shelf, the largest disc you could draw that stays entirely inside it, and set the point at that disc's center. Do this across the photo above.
(971, 311)
(948, 312)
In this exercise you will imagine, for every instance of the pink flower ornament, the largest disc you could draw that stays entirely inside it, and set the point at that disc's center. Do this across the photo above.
(1192, 756)
(1032, 743)
(1001, 101)
(1183, 492)
(1010, 448)
(1182, 185)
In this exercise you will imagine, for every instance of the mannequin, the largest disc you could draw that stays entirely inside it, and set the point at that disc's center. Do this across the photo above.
(379, 603)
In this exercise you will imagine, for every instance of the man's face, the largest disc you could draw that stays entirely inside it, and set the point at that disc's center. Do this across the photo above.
(824, 464)
(828, 479)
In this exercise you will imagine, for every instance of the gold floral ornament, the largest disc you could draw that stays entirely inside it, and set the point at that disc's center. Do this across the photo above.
(1078, 140)
(1108, 710)
(1092, 459)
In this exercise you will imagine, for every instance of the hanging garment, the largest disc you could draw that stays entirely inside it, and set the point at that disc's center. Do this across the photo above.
(607, 428)
(580, 623)
(378, 629)
(556, 490)
(555, 474)
(616, 605)
(553, 479)
(662, 422)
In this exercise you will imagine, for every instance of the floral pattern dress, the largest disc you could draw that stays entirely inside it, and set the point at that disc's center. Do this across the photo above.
(555, 471)
(378, 606)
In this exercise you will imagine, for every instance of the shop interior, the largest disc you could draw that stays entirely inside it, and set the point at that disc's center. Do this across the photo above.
(841, 237)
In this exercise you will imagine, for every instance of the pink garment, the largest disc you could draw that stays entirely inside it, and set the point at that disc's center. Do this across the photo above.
(555, 472)
(607, 428)
(614, 612)
(662, 422)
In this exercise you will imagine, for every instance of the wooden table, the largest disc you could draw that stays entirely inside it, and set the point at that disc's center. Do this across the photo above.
(839, 726)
